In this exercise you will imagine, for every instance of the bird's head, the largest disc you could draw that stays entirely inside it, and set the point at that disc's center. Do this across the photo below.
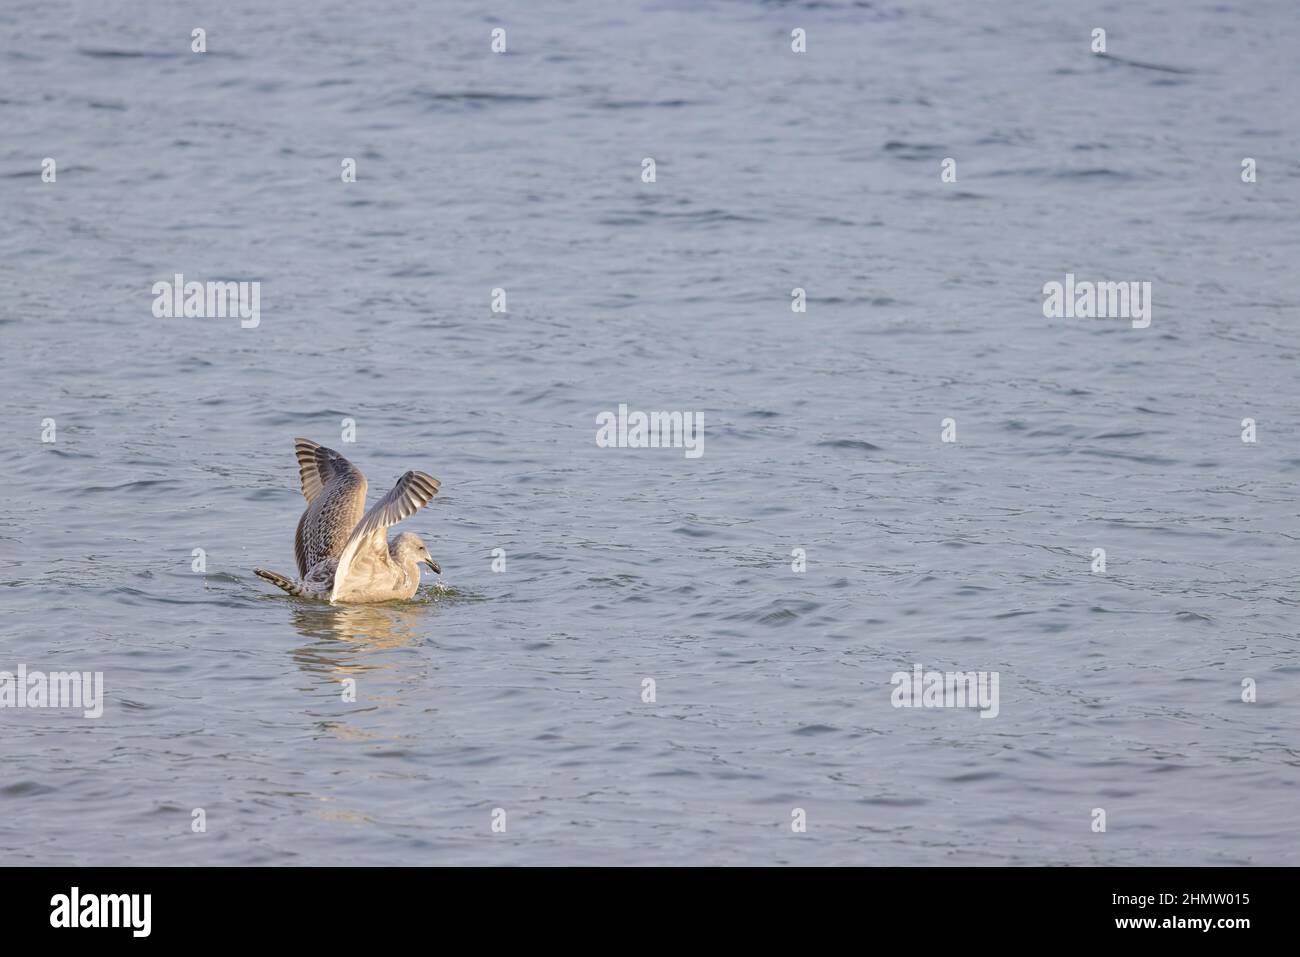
(409, 548)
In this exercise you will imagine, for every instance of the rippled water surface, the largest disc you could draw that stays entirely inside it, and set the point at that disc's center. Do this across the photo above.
(522, 689)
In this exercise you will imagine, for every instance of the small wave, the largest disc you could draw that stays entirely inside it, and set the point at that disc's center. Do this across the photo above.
(25, 789)
(465, 99)
(811, 729)
(913, 151)
(126, 54)
(643, 104)
(1138, 64)
(893, 801)
(702, 217)
(857, 445)
(137, 486)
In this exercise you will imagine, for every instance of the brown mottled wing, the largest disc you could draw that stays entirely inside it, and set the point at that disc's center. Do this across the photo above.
(313, 466)
(413, 491)
(335, 491)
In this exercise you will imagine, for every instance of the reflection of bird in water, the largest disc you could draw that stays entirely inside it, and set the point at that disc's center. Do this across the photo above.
(350, 641)
(344, 555)
(343, 635)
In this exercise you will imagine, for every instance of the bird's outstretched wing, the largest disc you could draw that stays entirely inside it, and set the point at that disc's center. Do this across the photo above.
(335, 491)
(316, 466)
(413, 491)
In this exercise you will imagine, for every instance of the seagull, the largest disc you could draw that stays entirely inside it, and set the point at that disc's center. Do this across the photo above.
(342, 550)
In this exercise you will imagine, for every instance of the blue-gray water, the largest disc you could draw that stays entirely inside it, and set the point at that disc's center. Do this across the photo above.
(522, 689)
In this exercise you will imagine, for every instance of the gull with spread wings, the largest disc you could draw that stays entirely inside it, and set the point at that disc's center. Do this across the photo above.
(343, 551)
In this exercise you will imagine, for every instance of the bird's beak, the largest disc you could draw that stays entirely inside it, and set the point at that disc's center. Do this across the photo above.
(434, 565)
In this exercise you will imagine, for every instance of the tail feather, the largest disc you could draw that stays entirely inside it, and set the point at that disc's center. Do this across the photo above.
(278, 580)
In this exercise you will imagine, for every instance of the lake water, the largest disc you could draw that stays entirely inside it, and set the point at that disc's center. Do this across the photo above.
(522, 689)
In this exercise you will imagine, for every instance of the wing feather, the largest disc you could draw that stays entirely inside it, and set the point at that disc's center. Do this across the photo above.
(335, 491)
(314, 467)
